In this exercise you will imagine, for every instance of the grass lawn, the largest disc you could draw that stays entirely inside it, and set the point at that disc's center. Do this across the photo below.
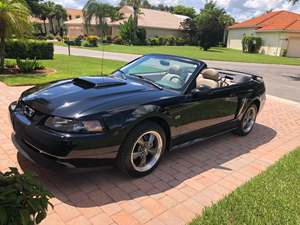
(66, 67)
(271, 198)
(219, 54)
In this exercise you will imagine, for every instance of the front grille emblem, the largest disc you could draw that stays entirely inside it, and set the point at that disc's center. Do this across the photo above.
(28, 111)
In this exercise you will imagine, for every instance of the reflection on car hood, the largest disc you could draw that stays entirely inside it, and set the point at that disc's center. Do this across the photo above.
(79, 97)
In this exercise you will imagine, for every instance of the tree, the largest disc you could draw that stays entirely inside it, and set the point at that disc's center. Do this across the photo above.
(208, 27)
(43, 14)
(50, 9)
(293, 1)
(60, 16)
(14, 20)
(34, 6)
(183, 10)
(100, 12)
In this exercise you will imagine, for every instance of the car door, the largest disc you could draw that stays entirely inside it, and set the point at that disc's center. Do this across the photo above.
(204, 109)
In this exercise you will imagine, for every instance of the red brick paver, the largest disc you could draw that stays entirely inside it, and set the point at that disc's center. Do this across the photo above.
(188, 179)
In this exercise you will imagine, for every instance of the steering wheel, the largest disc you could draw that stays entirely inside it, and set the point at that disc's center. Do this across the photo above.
(178, 78)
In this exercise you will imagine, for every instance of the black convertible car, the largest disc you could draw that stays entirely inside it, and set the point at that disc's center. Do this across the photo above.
(133, 117)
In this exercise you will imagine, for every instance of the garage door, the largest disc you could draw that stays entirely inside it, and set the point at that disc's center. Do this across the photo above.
(294, 47)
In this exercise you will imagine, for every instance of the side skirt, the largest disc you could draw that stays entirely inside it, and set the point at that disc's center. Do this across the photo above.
(204, 134)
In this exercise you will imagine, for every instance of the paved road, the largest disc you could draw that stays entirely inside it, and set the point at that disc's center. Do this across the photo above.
(281, 80)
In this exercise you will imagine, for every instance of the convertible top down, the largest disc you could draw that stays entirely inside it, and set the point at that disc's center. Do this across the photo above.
(133, 117)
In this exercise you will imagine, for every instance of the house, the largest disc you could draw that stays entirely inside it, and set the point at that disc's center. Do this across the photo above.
(155, 22)
(71, 14)
(279, 30)
(74, 14)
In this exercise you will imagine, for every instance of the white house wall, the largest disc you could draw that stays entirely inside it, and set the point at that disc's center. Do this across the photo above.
(235, 37)
(273, 42)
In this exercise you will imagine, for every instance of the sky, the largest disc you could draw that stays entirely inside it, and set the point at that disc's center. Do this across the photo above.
(239, 9)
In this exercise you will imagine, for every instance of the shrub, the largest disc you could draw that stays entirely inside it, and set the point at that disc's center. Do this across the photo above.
(22, 201)
(251, 44)
(92, 40)
(27, 65)
(50, 37)
(180, 41)
(153, 41)
(171, 40)
(108, 39)
(29, 49)
(77, 41)
(162, 40)
(10, 63)
(140, 36)
(117, 40)
(39, 66)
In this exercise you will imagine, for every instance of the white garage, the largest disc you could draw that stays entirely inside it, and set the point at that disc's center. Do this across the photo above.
(293, 49)
(279, 30)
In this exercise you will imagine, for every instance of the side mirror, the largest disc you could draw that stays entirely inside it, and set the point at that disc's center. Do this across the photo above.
(200, 91)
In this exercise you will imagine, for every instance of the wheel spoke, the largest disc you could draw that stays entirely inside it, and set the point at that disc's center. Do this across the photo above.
(151, 141)
(152, 151)
(136, 155)
(141, 142)
(143, 161)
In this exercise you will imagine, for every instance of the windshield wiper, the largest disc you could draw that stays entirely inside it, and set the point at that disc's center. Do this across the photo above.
(146, 80)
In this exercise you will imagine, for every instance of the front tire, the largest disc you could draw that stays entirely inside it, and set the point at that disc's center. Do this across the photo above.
(248, 121)
(142, 150)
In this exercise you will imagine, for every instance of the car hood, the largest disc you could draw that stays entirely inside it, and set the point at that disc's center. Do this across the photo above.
(83, 96)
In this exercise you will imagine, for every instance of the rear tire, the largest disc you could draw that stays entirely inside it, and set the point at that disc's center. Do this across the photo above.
(142, 150)
(248, 121)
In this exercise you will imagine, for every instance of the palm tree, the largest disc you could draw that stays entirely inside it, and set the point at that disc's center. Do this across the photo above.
(50, 10)
(136, 5)
(14, 20)
(60, 16)
(100, 12)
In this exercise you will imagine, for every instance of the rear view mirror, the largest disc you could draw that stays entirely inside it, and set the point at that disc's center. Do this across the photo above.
(164, 63)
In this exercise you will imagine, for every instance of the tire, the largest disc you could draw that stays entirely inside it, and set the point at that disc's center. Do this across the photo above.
(136, 157)
(243, 128)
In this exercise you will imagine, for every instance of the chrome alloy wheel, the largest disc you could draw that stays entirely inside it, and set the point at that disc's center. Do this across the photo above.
(146, 151)
(249, 119)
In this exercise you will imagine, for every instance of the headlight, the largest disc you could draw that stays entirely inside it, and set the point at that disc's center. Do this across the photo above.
(73, 126)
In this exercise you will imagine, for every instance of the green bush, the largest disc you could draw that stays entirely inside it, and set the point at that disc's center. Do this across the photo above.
(162, 40)
(171, 40)
(109, 39)
(92, 40)
(153, 41)
(50, 37)
(180, 41)
(27, 65)
(10, 63)
(22, 201)
(117, 40)
(251, 44)
(29, 49)
(39, 66)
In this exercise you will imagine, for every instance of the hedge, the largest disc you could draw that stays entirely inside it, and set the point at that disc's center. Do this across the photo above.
(31, 49)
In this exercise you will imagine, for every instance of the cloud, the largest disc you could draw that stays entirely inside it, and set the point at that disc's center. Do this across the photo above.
(239, 9)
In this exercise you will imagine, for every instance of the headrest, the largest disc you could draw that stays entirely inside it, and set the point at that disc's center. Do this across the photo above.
(211, 74)
(174, 69)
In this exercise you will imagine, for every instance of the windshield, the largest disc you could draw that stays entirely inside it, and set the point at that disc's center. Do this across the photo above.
(163, 71)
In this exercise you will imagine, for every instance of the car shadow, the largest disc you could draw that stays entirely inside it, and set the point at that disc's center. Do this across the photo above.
(105, 186)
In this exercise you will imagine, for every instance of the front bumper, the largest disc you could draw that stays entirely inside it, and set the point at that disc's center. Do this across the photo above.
(47, 147)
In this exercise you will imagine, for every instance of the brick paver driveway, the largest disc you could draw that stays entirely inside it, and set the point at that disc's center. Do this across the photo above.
(188, 179)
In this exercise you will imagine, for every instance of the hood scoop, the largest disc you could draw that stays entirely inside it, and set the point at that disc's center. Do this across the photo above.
(97, 82)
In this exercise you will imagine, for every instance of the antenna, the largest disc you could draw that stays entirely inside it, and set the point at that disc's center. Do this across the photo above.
(102, 39)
